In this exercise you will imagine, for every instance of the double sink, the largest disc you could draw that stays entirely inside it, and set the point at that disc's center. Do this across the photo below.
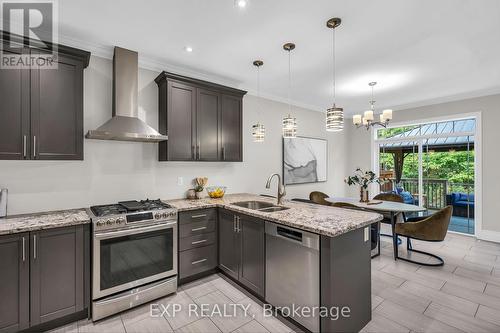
(260, 206)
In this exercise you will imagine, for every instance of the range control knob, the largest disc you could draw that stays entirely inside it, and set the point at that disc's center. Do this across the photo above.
(110, 222)
(120, 220)
(164, 215)
(157, 216)
(100, 223)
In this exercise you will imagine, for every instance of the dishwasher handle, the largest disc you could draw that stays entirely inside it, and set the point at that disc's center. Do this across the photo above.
(288, 233)
(300, 237)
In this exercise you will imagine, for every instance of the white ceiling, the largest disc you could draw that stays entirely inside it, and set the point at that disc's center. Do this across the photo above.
(418, 50)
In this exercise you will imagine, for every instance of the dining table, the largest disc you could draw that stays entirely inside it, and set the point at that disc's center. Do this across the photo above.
(389, 208)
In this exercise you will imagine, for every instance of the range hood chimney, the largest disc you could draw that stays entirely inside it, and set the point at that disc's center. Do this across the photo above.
(125, 124)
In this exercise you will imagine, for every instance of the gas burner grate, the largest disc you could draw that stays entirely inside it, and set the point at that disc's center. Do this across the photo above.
(104, 210)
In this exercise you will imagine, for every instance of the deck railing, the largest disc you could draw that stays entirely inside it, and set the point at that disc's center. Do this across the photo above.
(435, 190)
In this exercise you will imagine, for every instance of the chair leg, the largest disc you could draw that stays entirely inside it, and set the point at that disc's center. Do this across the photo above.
(410, 249)
(387, 235)
(378, 241)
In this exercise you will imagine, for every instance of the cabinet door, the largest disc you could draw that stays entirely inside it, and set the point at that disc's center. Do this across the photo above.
(207, 125)
(181, 112)
(57, 277)
(14, 113)
(14, 282)
(231, 128)
(253, 260)
(57, 111)
(229, 246)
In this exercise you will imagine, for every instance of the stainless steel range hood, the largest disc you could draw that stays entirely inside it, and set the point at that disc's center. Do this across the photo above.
(125, 124)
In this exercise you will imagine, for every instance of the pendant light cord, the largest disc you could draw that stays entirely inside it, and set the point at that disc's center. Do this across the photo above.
(258, 93)
(334, 73)
(372, 102)
(289, 82)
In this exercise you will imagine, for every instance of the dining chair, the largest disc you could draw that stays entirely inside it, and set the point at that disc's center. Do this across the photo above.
(431, 229)
(387, 219)
(319, 198)
(374, 228)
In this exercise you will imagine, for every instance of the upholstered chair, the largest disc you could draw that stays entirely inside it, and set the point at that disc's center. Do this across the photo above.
(374, 229)
(319, 198)
(431, 228)
(387, 219)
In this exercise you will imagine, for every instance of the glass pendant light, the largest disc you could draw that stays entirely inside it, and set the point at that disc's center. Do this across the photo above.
(289, 122)
(334, 115)
(258, 130)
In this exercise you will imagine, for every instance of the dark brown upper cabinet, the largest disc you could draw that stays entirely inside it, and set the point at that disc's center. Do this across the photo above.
(203, 120)
(41, 114)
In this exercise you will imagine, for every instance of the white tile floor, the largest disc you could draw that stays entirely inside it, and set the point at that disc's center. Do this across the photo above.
(213, 290)
(461, 296)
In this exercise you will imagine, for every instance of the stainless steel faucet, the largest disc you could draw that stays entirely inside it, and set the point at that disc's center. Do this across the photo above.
(281, 187)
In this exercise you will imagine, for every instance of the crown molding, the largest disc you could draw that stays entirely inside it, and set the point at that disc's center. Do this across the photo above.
(159, 65)
(439, 100)
(149, 63)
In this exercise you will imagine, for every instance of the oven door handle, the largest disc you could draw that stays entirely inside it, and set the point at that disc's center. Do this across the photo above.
(134, 231)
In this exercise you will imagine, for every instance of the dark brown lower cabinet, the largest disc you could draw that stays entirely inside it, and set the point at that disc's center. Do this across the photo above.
(14, 282)
(242, 249)
(229, 249)
(57, 279)
(197, 242)
(43, 276)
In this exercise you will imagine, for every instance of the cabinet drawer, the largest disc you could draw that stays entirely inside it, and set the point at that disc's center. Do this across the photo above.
(196, 228)
(192, 242)
(197, 215)
(197, 260)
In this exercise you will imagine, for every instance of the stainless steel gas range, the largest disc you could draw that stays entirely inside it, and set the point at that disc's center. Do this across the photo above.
(134, 254)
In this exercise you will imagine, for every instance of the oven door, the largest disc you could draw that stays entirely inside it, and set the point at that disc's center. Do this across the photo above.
(125, 259)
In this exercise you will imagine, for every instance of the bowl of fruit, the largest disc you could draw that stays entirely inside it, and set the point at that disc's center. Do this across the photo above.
(216, 192)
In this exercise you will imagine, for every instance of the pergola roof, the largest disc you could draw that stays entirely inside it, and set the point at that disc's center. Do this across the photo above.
(436, 144)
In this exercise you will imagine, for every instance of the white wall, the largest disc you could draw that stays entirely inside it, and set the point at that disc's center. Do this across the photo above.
(113, 171)
(489, 107)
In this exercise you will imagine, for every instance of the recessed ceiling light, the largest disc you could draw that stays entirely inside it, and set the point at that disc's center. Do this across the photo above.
(188, 49)
(241, 3)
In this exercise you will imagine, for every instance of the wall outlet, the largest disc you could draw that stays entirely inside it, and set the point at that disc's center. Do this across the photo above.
(180, 181)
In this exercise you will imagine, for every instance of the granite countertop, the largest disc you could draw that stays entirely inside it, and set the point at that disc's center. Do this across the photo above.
(39, 221)
(323, 220)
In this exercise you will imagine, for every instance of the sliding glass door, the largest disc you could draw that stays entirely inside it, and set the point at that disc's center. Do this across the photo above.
(432, 165)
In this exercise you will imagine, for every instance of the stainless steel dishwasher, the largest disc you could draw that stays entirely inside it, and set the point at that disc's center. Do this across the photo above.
(292, 270)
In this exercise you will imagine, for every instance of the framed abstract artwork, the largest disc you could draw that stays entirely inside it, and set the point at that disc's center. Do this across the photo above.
(305, 160)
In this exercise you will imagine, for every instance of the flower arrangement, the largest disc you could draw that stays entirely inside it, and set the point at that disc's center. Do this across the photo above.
(200, 183)
(364, 179)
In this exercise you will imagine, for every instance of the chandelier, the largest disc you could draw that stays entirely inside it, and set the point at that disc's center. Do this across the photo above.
(368, 118)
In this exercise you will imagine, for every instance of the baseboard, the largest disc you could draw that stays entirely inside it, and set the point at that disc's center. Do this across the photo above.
(488, 235)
